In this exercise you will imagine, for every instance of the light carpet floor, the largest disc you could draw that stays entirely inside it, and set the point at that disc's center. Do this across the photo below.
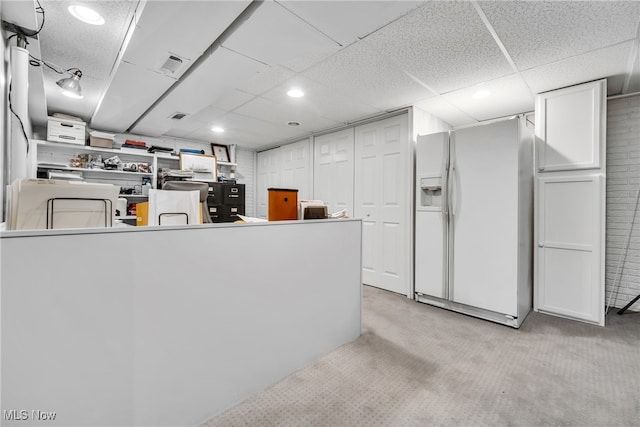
(417, 365)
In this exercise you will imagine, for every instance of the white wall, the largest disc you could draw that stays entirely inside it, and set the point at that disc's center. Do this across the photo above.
(623, 183)
(425, 123)
(246, 174)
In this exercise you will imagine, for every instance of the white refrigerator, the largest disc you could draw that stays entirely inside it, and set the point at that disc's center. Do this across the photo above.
(474, 220)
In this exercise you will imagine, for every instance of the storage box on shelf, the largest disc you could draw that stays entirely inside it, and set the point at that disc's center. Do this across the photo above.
(66, 130)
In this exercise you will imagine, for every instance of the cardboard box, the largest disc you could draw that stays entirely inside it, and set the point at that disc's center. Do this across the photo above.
(63, 130)
(101, 139)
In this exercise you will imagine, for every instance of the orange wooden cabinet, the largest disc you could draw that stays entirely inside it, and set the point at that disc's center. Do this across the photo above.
(283, 204)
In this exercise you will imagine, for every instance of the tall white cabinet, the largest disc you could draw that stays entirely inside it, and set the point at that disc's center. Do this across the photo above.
(570, 202)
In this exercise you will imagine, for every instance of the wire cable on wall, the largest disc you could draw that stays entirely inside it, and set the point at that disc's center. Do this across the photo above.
(26, 139)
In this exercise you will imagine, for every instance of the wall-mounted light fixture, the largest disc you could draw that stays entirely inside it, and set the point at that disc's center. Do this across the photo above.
(71, 85)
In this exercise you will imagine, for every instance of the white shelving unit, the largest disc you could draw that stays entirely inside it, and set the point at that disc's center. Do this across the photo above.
(45, 155)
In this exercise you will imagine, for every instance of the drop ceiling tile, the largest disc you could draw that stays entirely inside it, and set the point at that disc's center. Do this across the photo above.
(608, 62)
(275, 36)
(445, 45)
(443, 110)
(321, 101)
(204, 86)
(235, 125)
(232, 99)
(265, 79)
(280, 114)
(537, 33)
(161, 31)
(509, 95)
(178, 133)
(362, 74)
(346, 21)
(130, 93)
(68, 42)
(210, 115)
(271, 131)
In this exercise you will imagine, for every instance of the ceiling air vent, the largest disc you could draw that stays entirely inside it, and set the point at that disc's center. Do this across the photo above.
(178, 116)
(171, 65)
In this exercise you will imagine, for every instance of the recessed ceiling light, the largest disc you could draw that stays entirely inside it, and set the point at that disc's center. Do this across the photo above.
(217, 129)
(295, 93)
(294, 123)
(482, 93)
(85, 14)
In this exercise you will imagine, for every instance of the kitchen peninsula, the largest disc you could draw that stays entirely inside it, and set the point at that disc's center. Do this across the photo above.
(170, 325)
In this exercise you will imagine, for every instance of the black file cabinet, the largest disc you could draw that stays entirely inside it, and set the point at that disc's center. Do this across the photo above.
(226, 201)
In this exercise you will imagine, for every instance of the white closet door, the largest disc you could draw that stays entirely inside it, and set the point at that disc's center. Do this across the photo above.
(297, 168)
(333, 170)
(383, 186)
(267, 176)
(569, 253)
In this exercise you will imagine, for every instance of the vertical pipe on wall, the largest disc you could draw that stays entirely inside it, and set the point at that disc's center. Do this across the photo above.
(3, 120)
(19, 102)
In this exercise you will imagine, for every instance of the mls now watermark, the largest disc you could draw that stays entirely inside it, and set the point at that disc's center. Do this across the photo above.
(24, 415)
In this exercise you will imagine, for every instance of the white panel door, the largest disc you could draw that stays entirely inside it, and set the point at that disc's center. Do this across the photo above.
(297, 168)
(333, 170)
(267, 176)
(569, 127)
(484, 217)
(383, 187)
(569, 253)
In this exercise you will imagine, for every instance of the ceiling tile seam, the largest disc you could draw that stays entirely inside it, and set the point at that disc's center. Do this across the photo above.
(217, 43)
(578, 54)
(308, 23)
(415, 10)
(394, 64)
(494, 34)
(633, 56)
(133, 24)
(244, 55)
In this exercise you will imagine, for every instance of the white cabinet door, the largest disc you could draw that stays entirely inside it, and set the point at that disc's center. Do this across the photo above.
(383, 188)
(569, 254)
(333, 170)
(267, 176)
(297, 168)
(569, 127)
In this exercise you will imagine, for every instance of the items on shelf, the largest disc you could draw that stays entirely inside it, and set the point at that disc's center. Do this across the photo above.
(191, 151)
(95, 161)
(101, 139)
(140, 145)
(156, 149)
